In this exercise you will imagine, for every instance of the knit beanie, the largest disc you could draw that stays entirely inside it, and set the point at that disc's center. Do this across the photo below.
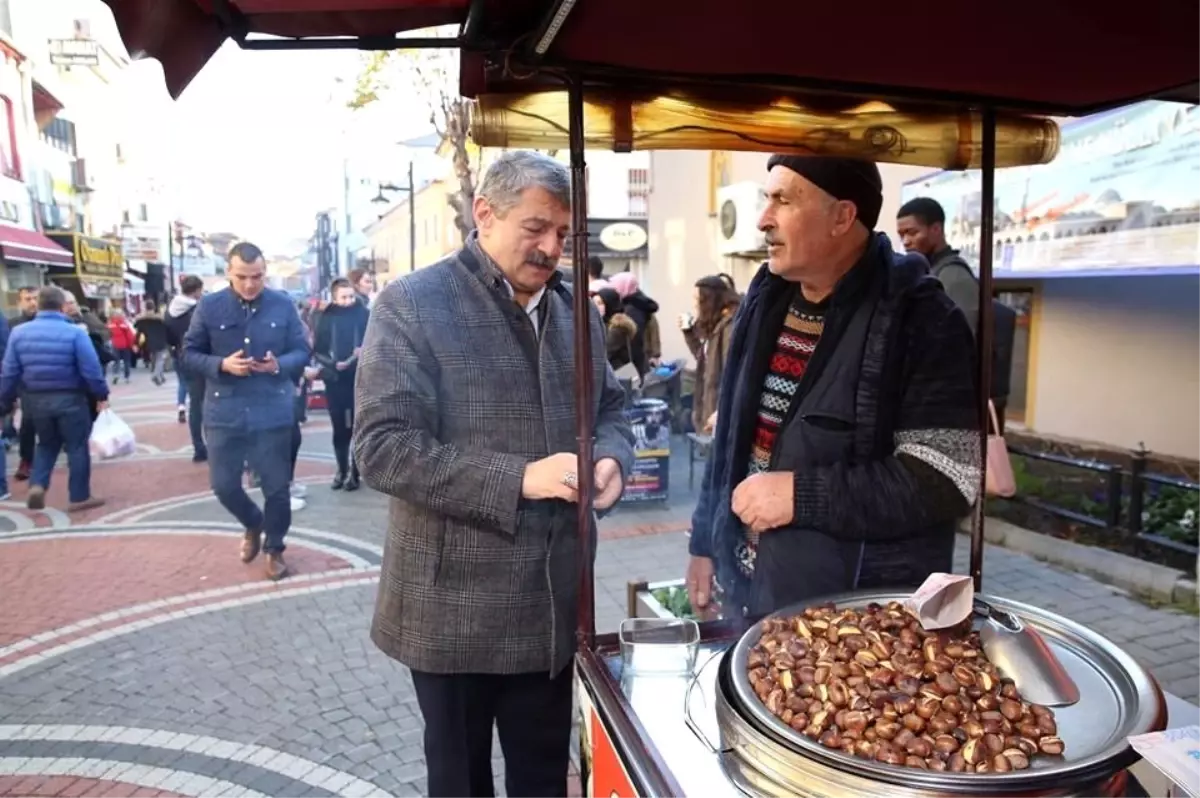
(842, 178)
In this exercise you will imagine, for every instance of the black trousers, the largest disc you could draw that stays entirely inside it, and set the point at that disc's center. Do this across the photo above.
(339, 396)
(531, 713)
(27, 438)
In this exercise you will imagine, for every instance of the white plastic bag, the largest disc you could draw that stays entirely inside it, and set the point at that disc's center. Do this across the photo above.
(112, 437)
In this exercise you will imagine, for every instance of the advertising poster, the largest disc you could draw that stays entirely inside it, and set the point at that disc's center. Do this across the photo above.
(1123, 196)
(651, 424)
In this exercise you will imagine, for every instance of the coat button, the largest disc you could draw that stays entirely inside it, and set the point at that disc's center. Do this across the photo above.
(246, 340)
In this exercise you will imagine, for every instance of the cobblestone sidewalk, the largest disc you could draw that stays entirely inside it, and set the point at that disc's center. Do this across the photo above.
(138, 656)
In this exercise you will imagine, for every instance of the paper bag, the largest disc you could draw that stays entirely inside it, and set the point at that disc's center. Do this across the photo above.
(1175, 753)
(942, 601)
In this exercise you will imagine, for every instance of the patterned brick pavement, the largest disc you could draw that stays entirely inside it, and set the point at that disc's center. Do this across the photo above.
(139, 656)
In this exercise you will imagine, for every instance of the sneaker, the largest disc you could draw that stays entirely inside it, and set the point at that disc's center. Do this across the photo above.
(182, 414)
(298, 490)
(23, 470)
(298, 504)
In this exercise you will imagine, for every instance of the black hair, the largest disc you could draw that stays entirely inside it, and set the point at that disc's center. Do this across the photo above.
(245, 252)
(191, 284)
(341, 282)
(926, 209)
(28, 289)
(595, 267)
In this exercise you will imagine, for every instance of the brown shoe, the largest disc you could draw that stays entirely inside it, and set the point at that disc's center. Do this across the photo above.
(276, 568)
(251, 544)
(37, 498)
(86, 504)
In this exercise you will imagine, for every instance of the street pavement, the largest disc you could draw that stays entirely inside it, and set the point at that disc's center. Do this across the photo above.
(139, 656)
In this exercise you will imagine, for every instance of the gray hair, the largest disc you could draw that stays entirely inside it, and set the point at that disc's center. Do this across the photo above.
(514, 172)
(51, 297)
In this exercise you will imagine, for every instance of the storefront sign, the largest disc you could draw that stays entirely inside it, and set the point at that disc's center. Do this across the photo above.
(1122, 195)
(616, 238)
(97, 259)
(102, 289)
(140, 244)
(74, 52)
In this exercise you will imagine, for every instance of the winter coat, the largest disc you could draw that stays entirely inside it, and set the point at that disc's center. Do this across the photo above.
(710, 354)
(50, 354)
(152, 332)
(122, 334)
(456, 393)
(646, 345)
(340, 331)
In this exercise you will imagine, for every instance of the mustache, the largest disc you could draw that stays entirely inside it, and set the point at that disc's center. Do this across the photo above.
(771, 239)
(539, 258)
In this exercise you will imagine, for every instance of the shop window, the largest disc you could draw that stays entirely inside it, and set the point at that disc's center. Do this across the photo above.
(10, 160)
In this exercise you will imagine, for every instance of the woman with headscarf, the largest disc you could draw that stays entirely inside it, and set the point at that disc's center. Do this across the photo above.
(646, 348)
(708, 338)
(620, 329)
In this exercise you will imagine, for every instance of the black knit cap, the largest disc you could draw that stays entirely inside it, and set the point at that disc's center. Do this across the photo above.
(842, 178)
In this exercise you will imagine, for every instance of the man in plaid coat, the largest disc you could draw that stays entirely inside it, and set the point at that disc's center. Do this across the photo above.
(465, 416)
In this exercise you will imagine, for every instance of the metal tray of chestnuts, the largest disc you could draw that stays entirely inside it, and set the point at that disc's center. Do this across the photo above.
(856, 684)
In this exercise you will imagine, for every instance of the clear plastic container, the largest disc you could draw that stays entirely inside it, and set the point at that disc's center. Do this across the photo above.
(659, 645)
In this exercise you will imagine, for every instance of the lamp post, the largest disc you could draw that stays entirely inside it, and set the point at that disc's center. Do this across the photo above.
(411, 188)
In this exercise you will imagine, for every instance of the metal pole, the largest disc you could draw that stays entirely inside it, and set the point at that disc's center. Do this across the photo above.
(348, 263)
(171, 250)
(585, 632)
(412, 219)
(986, 333)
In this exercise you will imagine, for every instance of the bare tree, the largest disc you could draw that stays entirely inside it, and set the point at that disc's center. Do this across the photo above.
(434, 75)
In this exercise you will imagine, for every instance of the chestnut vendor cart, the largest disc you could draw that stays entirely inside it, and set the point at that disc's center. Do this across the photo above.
(943, 83)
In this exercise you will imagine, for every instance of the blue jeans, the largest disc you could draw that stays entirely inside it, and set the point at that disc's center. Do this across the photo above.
(63, 422)
(181, 392)
(193, 390)
(268, 453)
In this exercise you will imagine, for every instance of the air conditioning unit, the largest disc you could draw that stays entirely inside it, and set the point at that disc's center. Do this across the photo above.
(738, 208)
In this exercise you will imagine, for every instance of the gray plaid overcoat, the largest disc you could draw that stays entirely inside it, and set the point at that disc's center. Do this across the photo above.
(455, 393)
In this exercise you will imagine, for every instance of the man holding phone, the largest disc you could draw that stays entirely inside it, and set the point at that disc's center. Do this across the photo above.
(249, 344)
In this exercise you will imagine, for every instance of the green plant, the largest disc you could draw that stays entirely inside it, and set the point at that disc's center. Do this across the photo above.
(675, 601)
(1173, 513)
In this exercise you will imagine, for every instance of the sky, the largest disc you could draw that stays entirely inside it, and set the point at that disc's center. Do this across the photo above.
(256, 144)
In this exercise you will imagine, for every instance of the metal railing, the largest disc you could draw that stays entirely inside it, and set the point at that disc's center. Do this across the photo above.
(1125, 494)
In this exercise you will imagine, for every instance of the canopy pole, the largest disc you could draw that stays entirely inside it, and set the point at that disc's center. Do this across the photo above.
(985, 331)
(585, 411)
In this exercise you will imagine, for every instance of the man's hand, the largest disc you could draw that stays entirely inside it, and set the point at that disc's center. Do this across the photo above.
(765, 501)
(609, 483)
(101, 406)
(711, 424)
(553, 477)
(268, 365)
(342, 366)
(237, 364)
(700, 573)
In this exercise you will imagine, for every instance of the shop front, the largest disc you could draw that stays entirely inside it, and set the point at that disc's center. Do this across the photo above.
(26, 253)
(622, 244)
(97, 276)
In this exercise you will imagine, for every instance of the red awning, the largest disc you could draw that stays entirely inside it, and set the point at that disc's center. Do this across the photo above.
(1061, 56)
(30, 246)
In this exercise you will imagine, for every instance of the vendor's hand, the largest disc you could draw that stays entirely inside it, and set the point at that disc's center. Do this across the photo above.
(237, 364)
(343, 365)
(268, 365)
(711, 424)
(101, 406)
(357, 351)
(700, 573)
(553, 477)
(609, 483)
(765, 501)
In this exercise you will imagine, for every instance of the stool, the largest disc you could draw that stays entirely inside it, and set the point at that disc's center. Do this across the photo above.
(697, 444)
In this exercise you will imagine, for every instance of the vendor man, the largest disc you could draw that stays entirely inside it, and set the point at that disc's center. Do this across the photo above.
(847, 442)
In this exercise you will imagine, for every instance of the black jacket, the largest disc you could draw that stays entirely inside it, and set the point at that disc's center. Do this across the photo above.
(890, 388)
(640, 308)
(340, 330)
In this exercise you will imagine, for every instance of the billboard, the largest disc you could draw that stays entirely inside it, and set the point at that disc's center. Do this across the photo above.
(1122, 197)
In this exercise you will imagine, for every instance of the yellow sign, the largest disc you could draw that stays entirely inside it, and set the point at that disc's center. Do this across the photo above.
(97, 259)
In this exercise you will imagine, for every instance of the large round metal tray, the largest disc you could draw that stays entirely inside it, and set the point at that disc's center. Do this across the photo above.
(1119, 698)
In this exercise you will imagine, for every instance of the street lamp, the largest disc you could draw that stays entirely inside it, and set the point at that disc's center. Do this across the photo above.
(412, 212)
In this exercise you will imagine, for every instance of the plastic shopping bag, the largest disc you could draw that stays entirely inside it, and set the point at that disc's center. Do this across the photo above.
(112, 437)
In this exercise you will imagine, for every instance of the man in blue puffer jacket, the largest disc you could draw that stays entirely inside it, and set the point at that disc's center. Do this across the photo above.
(248, 343)
(51, 363)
